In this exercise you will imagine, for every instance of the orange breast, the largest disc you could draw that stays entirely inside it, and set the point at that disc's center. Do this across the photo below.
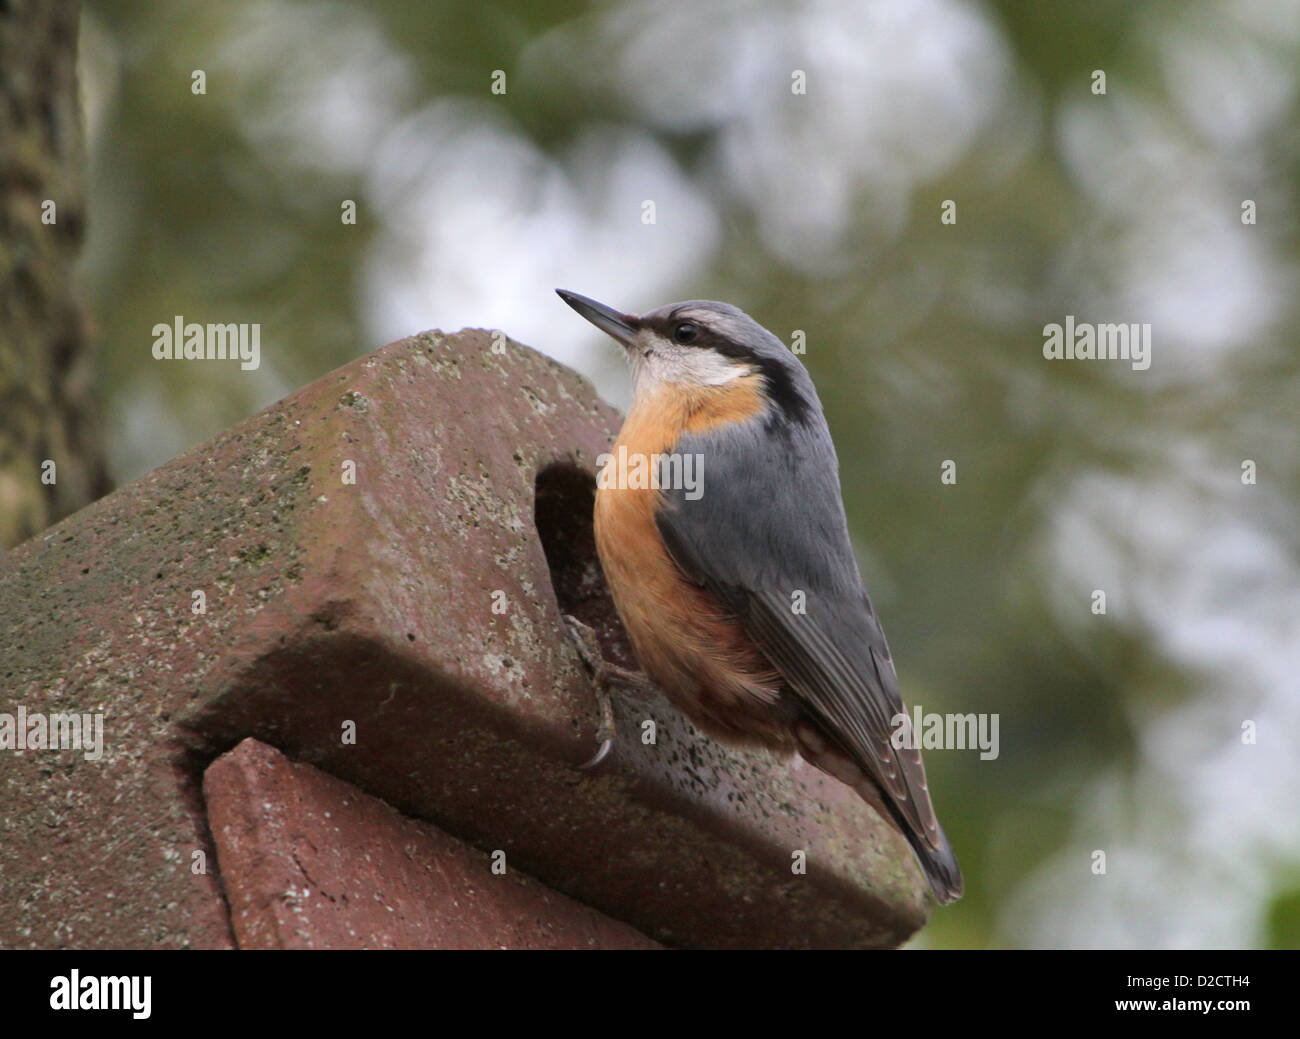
(683, 637)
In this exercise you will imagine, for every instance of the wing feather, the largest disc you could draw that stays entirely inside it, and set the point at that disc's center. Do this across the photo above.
(754, 549)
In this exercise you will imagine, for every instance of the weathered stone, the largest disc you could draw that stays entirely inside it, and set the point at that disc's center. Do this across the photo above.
(310, 862)
(331, 605)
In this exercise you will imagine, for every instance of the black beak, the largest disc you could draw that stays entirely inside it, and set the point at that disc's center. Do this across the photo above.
(623, 327)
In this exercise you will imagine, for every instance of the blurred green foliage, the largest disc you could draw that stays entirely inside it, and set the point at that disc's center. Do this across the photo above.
(1118, 732)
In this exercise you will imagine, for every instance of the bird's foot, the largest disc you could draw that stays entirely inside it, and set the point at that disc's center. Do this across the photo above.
(604, 675)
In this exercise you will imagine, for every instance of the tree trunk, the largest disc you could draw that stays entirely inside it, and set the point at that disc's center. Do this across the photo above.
(51, 451)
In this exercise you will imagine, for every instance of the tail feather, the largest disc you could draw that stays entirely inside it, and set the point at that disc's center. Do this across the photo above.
(939, 863)
(940, 867)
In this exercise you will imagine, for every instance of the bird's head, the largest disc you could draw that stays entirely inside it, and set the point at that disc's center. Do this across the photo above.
(697, 344)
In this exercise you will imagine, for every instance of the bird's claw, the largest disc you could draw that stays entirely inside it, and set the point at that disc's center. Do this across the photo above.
(588, 647)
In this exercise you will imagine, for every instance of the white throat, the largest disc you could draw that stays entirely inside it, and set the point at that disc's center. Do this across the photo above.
(658, 362)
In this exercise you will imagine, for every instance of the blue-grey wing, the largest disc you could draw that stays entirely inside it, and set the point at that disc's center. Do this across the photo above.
(767, 535)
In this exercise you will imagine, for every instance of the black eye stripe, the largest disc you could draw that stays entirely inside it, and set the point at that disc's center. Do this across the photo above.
(686, 332)
(704, 338)
(668, 328)
(791, 405)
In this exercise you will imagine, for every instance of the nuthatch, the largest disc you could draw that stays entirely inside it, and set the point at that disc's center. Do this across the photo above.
(743, 602)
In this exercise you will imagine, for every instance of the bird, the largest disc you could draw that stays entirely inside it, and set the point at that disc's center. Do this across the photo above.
(741, 597)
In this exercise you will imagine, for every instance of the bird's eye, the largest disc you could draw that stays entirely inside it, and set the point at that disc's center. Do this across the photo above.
(686, 332)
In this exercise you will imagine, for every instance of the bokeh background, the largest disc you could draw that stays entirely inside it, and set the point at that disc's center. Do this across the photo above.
(821, 212)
